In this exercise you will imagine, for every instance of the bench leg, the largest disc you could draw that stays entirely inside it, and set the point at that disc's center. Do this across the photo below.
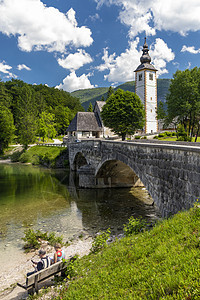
(36, 284)
(31, 291)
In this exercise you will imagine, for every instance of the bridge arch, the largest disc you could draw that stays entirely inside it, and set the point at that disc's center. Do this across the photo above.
(115, 173)
(79, 161)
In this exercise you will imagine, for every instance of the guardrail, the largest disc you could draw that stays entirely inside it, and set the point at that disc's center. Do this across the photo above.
(51, 145)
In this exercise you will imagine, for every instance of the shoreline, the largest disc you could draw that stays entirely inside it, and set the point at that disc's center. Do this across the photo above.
(17, 273)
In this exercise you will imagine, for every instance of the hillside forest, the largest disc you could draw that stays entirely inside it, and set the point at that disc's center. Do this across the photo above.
(31, 111)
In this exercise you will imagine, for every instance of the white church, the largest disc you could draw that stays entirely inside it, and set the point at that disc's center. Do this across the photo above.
(90, 125)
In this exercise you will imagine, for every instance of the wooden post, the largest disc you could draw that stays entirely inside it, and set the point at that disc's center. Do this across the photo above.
(36, 283)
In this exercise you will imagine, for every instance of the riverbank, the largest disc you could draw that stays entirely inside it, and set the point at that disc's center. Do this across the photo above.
(15, 270)
(50, 157)
(163, 263)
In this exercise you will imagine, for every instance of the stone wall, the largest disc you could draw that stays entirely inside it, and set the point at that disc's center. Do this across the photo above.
(170, 173)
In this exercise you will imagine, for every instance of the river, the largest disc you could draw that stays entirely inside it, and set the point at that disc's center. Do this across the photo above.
(38, 198)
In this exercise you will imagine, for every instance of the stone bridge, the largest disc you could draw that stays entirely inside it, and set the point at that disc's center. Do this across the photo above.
(170, 172)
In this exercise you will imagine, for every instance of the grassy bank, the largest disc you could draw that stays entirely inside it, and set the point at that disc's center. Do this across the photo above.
(163, 263)
(41, 155)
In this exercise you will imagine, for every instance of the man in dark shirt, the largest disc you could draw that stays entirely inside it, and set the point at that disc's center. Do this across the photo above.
(43, 263)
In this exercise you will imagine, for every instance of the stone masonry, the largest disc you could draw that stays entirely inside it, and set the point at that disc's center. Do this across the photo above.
(170, 172)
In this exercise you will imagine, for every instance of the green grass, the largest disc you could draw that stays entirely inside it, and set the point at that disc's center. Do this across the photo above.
(163, 263)
(40, 155)
(174, 138)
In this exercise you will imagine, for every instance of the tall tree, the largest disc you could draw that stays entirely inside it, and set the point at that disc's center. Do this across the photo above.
(7, 127)
(123, 113)
(46, 127)
(183, 100)
(110, 92)
(90, 108)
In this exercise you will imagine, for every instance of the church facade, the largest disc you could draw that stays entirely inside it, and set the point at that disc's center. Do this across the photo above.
(146, 89)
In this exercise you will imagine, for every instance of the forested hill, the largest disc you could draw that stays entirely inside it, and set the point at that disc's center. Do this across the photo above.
(31, 111)
(91, 95)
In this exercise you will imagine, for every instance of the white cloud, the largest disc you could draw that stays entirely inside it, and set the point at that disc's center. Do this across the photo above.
(121, 67)
(190, 49)
(150, 15)
(75, 61)
(4, 68)
(23, 66)
(95, 17)
(39, 27)
(72, 82)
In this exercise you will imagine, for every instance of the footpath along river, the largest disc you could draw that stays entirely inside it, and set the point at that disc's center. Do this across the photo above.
(38, 198)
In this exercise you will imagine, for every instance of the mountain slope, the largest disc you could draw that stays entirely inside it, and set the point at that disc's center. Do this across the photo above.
(92, 95)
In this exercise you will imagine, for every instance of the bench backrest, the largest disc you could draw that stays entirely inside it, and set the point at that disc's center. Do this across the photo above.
(45, 273)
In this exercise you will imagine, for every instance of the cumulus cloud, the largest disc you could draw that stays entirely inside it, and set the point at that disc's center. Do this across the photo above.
(39, 27)
(23, 67)
(75, 61)
(121, 67)
(150, 15)
(190, 49)
(72, 82)
(4, 68)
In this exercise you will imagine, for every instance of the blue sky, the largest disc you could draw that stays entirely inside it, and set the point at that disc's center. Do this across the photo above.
(75, 44)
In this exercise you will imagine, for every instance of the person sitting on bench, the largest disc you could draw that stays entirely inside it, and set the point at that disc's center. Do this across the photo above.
(59, 254)
(43, 263)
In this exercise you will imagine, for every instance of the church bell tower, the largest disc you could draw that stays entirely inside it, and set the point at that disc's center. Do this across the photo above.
(146, 89)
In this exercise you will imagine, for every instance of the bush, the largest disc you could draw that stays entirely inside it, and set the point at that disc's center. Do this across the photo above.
(25, 157)
(144, 138)
(16, 155)
(134, 226)
(71, 267)
(161, 135)
(168, 133)
(33, 239)
(173, 133)
(155, 137)
(137, 137)
(100, 241)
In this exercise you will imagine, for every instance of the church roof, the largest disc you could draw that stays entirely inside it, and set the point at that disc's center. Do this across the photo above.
(145, 59)
(100, 104)
(85, 121)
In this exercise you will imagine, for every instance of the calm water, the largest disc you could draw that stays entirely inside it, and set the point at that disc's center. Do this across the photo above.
(47, 200)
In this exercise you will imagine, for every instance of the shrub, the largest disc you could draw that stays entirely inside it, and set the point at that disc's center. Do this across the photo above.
(173, 133)
(137, 137)
(33, 239)
(71, 267)
(155, 137)
(161, 135)
(144, 138)
(25, 157)
(134, 226)
(168, 133)
(100, 241)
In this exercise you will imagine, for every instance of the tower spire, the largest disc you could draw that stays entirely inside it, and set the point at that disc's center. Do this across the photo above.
(145, 58)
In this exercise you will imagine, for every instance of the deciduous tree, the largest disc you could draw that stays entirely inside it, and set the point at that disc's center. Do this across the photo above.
(123, 113)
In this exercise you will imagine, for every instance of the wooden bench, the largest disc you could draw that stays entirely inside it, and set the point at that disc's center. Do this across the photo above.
(32, 281)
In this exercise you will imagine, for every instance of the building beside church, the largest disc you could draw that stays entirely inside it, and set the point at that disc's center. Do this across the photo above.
(90, 124)
(146, 89)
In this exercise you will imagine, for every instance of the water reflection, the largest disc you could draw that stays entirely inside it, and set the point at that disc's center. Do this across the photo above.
(49, 201)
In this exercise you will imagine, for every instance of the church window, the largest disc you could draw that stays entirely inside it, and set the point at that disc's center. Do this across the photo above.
(150, 76)
(151, 98)
(151, 110)
(140, 77)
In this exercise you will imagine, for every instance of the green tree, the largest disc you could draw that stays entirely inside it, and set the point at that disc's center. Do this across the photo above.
(7, 127)
(26, 116)
(161, 113)
(183, 100)
(123, 113)
(46, 126)
(63, 117)
(110, 92)
(90, 108)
